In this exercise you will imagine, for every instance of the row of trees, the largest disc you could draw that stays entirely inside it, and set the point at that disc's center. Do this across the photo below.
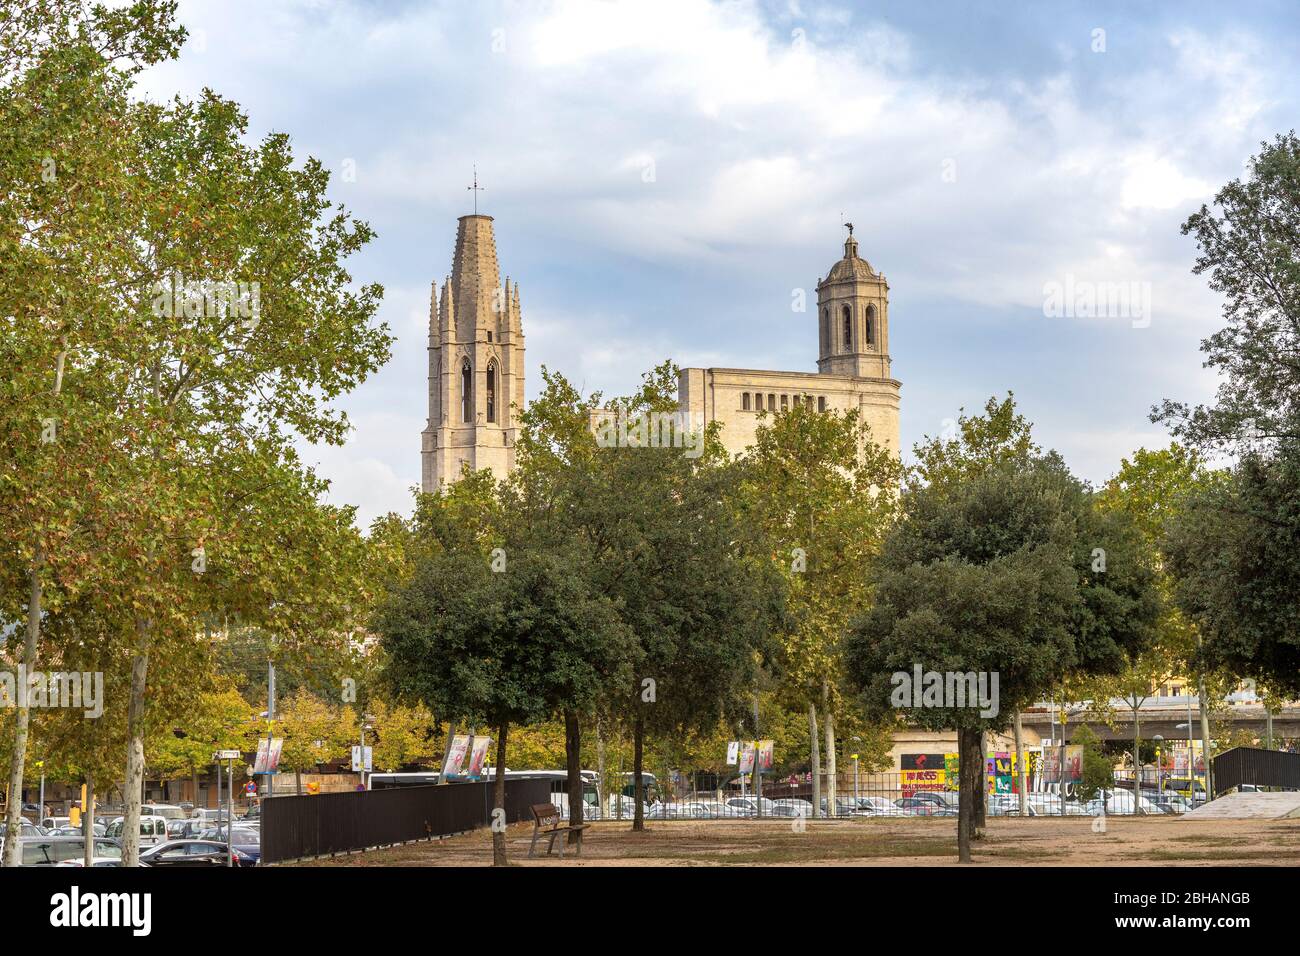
(175, 313)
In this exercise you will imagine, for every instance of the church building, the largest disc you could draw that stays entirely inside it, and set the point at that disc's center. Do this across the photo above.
(476, 364)
(853, 368)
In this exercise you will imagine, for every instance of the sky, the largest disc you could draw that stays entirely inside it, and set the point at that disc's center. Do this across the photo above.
(666, 176)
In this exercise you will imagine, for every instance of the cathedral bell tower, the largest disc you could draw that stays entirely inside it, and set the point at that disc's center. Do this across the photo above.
(853, 318)
(476, 363)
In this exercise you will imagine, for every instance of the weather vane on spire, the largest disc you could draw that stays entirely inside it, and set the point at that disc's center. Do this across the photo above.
(476, 189)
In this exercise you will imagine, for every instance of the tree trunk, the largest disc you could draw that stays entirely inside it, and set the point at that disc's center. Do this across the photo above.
(965, 795)
(573, 753)
(88, 820)
(13, 848)
(499, 800)
(980, 820)
(600, 768)
(816, 760)
(1205, 743)
(831, 770)
(1022, 772)
(638, 794)
(135, 748)
(1137, 762)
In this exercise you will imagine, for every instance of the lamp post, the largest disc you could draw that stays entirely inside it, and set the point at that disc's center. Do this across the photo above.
(1160, 780)
(856, 741)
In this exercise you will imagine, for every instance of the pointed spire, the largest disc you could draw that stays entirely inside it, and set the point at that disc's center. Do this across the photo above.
(433, 311)
(516, 314)
(448, 311)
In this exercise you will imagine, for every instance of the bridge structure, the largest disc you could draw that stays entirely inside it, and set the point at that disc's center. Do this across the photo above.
(1163, 716)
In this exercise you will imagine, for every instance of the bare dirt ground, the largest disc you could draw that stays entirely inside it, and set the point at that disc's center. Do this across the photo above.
(1152, 841)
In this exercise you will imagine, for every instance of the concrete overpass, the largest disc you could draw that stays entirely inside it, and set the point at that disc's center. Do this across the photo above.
(1162, 715)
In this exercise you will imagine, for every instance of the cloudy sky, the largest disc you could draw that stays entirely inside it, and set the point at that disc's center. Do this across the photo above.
(664, 176)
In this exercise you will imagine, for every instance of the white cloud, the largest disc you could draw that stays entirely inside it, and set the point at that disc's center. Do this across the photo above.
(759, 141)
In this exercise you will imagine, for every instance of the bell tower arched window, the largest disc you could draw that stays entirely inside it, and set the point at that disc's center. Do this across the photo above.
(492, 391)
(871, 326)
(466, 392)
(848, 330)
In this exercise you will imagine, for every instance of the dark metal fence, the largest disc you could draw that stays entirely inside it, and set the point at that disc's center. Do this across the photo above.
(1255, 767)
(320, 824)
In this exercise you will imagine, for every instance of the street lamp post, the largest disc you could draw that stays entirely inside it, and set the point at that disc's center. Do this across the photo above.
(856, 740)
(1160, 780)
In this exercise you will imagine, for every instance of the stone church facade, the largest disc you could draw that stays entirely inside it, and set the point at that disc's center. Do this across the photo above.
(476, 364)
(853, 365)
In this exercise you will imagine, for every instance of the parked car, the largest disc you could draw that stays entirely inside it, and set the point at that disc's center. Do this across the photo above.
(153, 830)
(720, 811)
(167, 811)
(50, 824)
(750, 805)
(939, 799)
(1193, 790)
(50, 851)
(1008, 805)
(195, 853)
(1167, 800)
(97, 861)
(245, 839)
(1120, 803)
(792, 807)
(919, 807)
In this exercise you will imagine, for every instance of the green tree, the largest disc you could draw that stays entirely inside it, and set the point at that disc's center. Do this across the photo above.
(992, 570)
(1096, 773)
(498, 648)
(1234, 550)
(65, 71)
(823, 494)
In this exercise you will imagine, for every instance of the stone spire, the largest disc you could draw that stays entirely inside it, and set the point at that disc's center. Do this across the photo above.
(475, 277)
(476, 364)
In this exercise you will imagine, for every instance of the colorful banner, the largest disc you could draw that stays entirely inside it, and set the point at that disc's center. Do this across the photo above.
(268, 755)
(455, 759)
(478, 757)
(747, 757)
(765, 756)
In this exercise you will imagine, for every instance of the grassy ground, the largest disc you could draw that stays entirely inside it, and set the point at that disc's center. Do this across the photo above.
(1157, 841)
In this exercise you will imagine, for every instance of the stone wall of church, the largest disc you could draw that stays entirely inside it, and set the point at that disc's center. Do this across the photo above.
(719, 395)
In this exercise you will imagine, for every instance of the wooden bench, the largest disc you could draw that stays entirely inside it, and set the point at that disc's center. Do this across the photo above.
(547, 815)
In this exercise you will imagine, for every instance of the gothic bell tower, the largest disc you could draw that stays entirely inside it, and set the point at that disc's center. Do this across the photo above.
(853, 318)
(476, 363)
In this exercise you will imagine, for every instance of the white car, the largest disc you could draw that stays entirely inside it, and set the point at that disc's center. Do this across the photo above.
(792, 807)
(1120, 803)
(152, 830)
(750, 805)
